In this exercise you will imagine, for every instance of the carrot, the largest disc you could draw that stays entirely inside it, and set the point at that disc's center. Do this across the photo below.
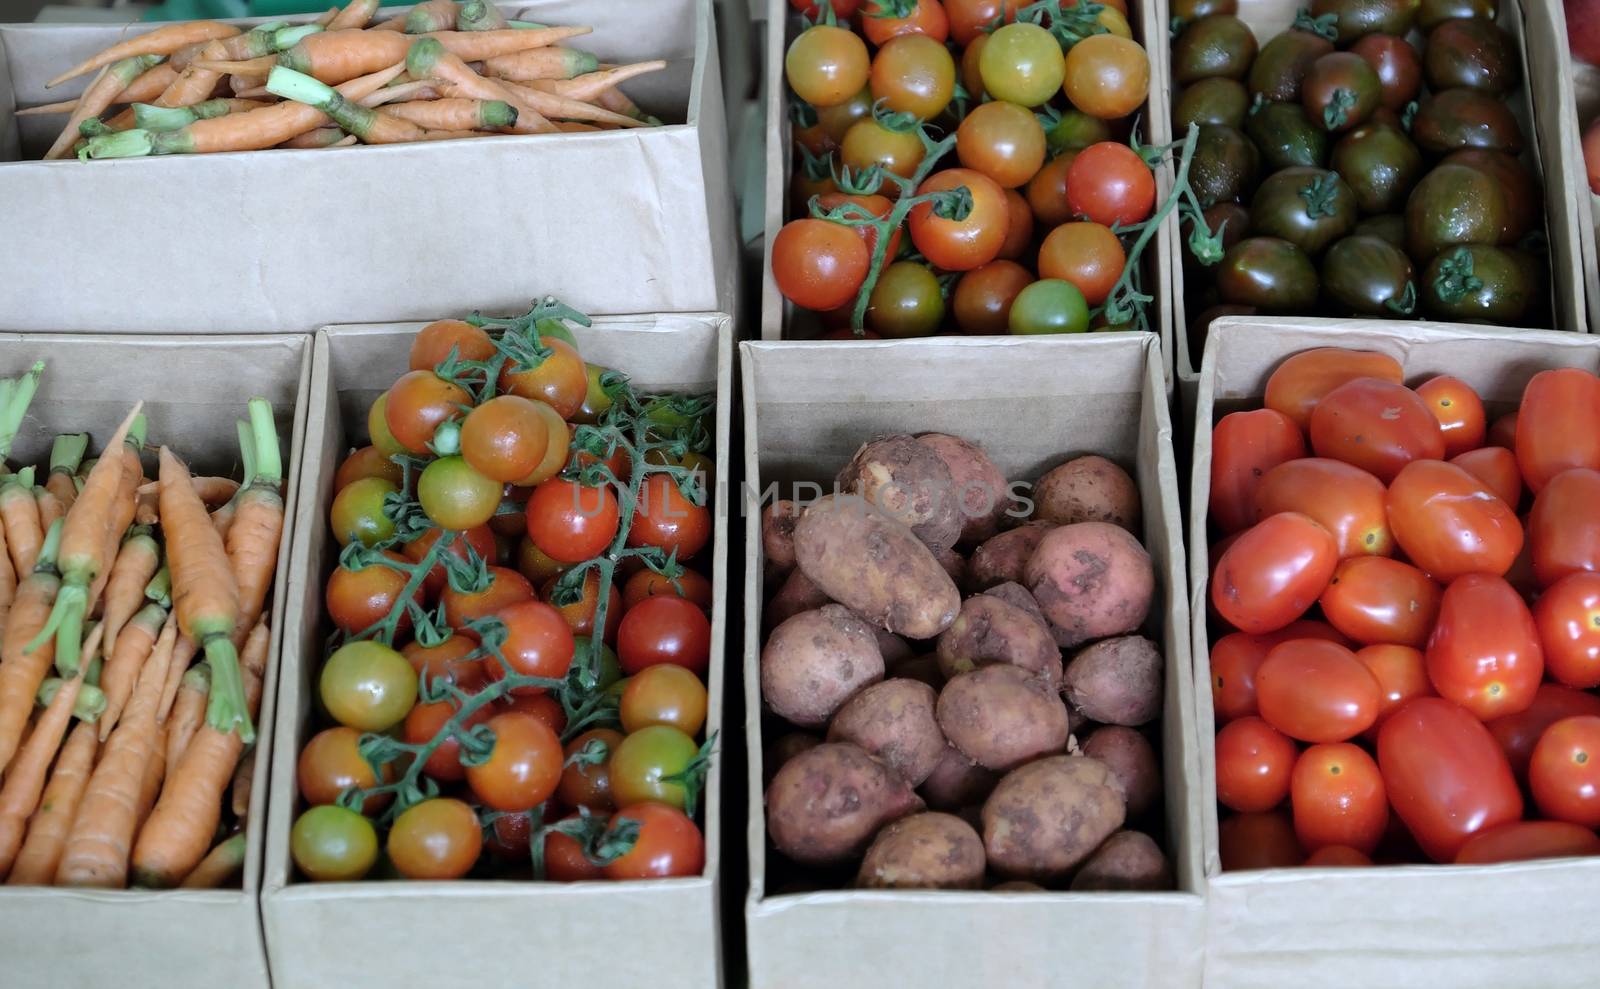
(21, 671)
(212, 490)
(589, 86)
(66, 453)
(162, 118)
(252, 67)
(161, 41)
(322, 137)
(334, 56)
(49, 506)
(193, 83)
(128, 653)
(371, 126)
(404, 92)
(566, 108)
(143, 89)
(97, 847)
(188, 711)
(356, 14)
(176, 836)
(239, 789)
(475, 46)
(326, 17)
(8, 583)
(617, 101)
(124, 509)
(392, 24)
(429, 60)
(86, 547)
(182, 656)
(25, 777)
(264, 39)
(112, 80)
(541, 63)
(19, 513)
(479, 15)
(433, 15)
(457, 114)
(47, 829)
(257, 529)
(136, 563)
(16, 394)
(222, 865)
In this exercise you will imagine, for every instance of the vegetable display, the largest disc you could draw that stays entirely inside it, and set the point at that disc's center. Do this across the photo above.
(443, 70)
(135, 769)
(516, 682)
(961, 167)
(1403, 604)
(1362, 162)
(929, 740)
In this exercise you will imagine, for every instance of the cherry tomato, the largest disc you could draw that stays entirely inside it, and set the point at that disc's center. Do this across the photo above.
(1519, 841)
(556, 451)
(1019, 227)
(435, 839)
(1564, 526)
(664, 630)
(983, 296)
(1376, 425)
(648, 583)
(366, 462)
(538, 643)
(565, 861)
(1003, 141)
(879, 206)
(1109, 184)
(454, 496)
(669, 844)
(1022, 64)
(332, 844)
(971, 19)
(1345, 500)
(1497, 468)
(536, 565)
(664, 695)
(1047, 191)
(1316, 691)
(447, 659)
(1258, 841)
(1273, 573)
(826, 65)
(570, 522)
(509, 835)
(357, 599)
(1107, 76)
(924, 17)
(1049, 305)
(1245, 448)
(586, 783)
(418, 403)
(1377, 600)
(560, 381)
(642, 763)
(367, 686)
(1549, 437)
(425, 721)
(580, 614)
(1564, 774)
(595, 401)
(817, 264)
(960, 245)
(524, 766)
(1503, 432)
(331, 763)
(505, 438)
(913, 73)
(479, 540)
(1449, 523)
(1254, 762)
(1336, 793)
(378, 428)
(434, 343)
(1337, 856)
(506, 587)
(842, 9)
(1088, 255)
(1402, 674)
(1301, 381)
(869, 142)
(1485, 653)
(357, 512)
(1445, 776)
(1459, 411)
(1518, 733)
(836, 120)
(664, 518)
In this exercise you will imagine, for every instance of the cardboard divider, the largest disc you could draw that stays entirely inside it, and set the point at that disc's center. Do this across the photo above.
(1536, 104)
(1457, 926)
(1577, 99)
(639, 220)
(366, 933)
(1031, 404)
(1148, 19)
(194, 388)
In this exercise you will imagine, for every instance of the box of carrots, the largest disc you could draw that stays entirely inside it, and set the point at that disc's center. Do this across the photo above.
(584, 141)
(142, 594)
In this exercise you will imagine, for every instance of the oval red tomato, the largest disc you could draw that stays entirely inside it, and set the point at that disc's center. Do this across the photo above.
(1258, 841)
(1568, 619)
(1522, 840)
(1316, 691)
(1301, 381)
(1554, 431)
(1336, 797)
(1376, 425)
(1374, 600)
(1485, 653)
(1273, 572)
(1401, 672)
(1564, 774)
(1244, 447)
(1564, 526)
(1459, 411)
(1346, 500)
(1518, 733)
(1236, 656)
(1449, 524)
(1497, 468)
(1254, 763)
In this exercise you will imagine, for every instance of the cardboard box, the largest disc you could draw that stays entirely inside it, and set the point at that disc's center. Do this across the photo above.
(366, 933)
(782, 24)
(1536, 106)
(1413, 925)
(634, 221)
(1032, 404)
(194, 388)
(1579, 100)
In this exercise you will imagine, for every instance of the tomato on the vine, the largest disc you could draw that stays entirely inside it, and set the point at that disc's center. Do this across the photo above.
(960, 245)
(438, 838)
(878, 206)
(505, 438)
(826, 65)
(537, 565)
(580, 614)
(367, 686)
(538, 643)
(664, 694)
(842, 9)
(479, 539)
(543, 708)
(506, 587)
(1564, 773)
(357, 512)
(907, 301)
(556, 451)
(664, 630)
(378, 428)
(357, 599)
(1049, 305)
(885, 19)
(1003, 141)
(418, 403)
(571, 522)
(524, 766)
(665, 519)
(1246, 448)
(1107, 76)
(332, 844)
(560, 381)
(365, 462)
(450, 659)
(586, 782)
(668, 843)
(1022, 64)
(1088, 255)
(1019, 227)
(983, 297)
(1110, 184)
(564, 858)
(817, 264)
(427, 720)
(454, 496)
(435, 342)
(1254, 764)
(1337, 797)
(647, 583)
(971, 19)
(331, 763)
(913, 73)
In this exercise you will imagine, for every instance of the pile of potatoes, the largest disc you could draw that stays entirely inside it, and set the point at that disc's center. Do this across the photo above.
(940, 741)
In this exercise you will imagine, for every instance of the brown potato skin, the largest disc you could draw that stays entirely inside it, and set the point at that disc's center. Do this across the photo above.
(816, 661)
(1117, 681)
(1002, 716)
(825, 804)
(1015, 594)
(777, 537)
(1088, 489)
(911, 484)
(796, 594)
(957, 782)
(784, 748)
(924, 851)
(1092, 580)
(1132, 762)
(1046, 817)
(990, 629)
(1004, 558)
(980, 488)
(954, 564)
(1128, 860)
(894, 722)
(873, 565)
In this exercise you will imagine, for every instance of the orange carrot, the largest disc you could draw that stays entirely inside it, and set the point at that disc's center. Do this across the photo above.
(127, 655)
(97, 847)
(429, 60)
(21, 671)
(432, 15)
(19, 512)
(211, 490)
(392, 24)
(188, 712)
(8, 583)
(123, 510)
(326, 17)
(404, 92)
(356, 14)
(47, 829)
(25, 777)
(161, 41)
(541, 63)
(251, 67)
(194, 83)
(112, 80)
(147, 87)
(222, 865)
(589, 86)
(617, 100)
(371, 126)
(155, 773)
(66, 453)
(334, 56)
(137, 562)
(253, 539)
(49, 506)
(243, 783)
(181, 658)
(566, 108)
(176, 836)
(457, 114)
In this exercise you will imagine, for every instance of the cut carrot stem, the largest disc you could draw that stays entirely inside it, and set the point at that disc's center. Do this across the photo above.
(15, 396)
(159, 590)
(66, 453)
(112, 80)
(161, 41)
(371, 126)
(222, 865)
(478, 15)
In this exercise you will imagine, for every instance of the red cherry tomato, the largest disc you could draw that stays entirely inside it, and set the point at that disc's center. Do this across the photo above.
(1459, 411)
(1449, 524)
(1316, 691)
(1401, 672)
(1553, 434)
(1377, 600)
(1088, 255)
(1445, 776)
(1301, 381)
(569, 522)
(506, 587)
(1019, 231)
(1254, 763)
(1484, 653)
(1377, 425)
(1564, 526)
(1245, 446)
(434, 342)
(1497, 468)
(1258, 841)
(668, 844)
(480, 540)
(818, 264)
(1273, 573)
(664, 630)
(925, 17)
(424, 722)
(879, 206)
(970, 19)
(1336, 795)
(1564, 774)
(961, 245)
(1522, 840)
(842, 9)
(1518, 733)
(1346, 500)
(1568, 619)
(664, 518)
(1109, 183)
(418, 402)
(538, 643)
(523, 767)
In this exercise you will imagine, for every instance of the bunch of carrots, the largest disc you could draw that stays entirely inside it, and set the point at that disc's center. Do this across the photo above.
(117, 757)
(443, 70)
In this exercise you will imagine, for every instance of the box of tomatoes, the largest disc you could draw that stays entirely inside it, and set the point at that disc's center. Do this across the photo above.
(959, 767)
(503, 702)
(1372, 160)
(878, 107)
(1392, 595)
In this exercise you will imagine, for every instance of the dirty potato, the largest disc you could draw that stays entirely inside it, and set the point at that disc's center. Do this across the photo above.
(796, 594)
(990, 629)
(957, 782)
(924, 851)
(816, 661)
(893, 721)
(1128, 860)
(1117, 681)
(1015, 594)
(1002, 716)
(980, 488)
(825, 804)
(1005, 557)
(1092, 579)
(911, 484)
(784, 748)
(777, 537)
(1046, 817)
(1088, 489)
(1131, 760)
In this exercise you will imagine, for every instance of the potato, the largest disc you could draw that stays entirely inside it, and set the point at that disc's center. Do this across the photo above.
(894, 649)
(980, 489)
(923, 669)
(957, 782)
(893, 721)
(816, 661)
(1015, 594)
(954, 564)
(826, 803)
(1005, 557)
(911, 484)
(1092, 580)
(784, 748)
(1132, 762)
(872, 564)
(924, 851)
(989, 630)
(1088, 489)
(1129, 860)
(1002, 716)
(777, 536)
(1046, 817)
(1117, 681)
(796, 594)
